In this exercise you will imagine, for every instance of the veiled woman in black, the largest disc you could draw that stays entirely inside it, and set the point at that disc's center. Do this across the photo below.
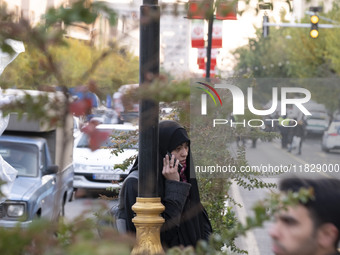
(186, 221)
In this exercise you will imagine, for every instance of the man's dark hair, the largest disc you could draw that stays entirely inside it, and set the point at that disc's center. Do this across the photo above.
(325, 206)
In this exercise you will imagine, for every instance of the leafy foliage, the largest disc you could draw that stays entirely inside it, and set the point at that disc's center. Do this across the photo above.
(79, 237)
(124, 141)
(290, 52)
(112, 67)
(53, 60)
(81, 11)
(52, 65)
(212, 146)
(263, 211)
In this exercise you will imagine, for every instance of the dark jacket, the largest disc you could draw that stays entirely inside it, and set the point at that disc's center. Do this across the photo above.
(299, 129)
(186, 221)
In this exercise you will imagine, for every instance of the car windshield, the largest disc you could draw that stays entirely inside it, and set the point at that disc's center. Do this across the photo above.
(318, 116)
(334, 128)
(126, 138)
(23, 158)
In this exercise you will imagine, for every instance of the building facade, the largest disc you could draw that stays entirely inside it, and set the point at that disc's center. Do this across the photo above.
(175, 41)
(98, 33)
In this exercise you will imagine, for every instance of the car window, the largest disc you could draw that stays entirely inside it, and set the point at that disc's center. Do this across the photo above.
(117, 137)
(334, 128)
(318, 116)
(23, 158)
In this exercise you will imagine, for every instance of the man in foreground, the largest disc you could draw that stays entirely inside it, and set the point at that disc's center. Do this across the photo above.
(313, 227)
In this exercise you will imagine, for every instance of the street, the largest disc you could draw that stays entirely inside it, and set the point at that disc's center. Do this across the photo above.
(86, 206)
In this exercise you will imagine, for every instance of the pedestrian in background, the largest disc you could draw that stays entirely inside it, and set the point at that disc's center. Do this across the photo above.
(283, 128)
(298, 135)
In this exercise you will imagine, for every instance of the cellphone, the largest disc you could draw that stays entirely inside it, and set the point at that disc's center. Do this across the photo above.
(180, 166)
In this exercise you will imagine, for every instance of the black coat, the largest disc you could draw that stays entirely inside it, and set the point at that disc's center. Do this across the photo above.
(186, 221)
(299, 130)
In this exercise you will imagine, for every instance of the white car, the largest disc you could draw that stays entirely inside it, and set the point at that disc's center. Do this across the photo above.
(98, 170)
(76, 127)
(331, 137)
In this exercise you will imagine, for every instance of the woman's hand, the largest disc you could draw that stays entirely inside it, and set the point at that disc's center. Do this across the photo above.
(170, 168)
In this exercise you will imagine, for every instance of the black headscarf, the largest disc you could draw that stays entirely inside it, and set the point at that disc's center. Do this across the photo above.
(195, 224)
(171, 135)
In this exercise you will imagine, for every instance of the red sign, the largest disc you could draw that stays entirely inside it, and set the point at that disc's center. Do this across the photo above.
(214, 53)
(227, 10)
(198, 9)
(201, 55)
(217, 34)
(197, 34)
(201, 64)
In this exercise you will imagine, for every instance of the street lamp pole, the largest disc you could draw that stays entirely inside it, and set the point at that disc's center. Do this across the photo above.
(148, 205)
(148, 111)
(210, 29)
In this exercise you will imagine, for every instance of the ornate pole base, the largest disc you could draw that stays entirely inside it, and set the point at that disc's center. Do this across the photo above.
(148, 223)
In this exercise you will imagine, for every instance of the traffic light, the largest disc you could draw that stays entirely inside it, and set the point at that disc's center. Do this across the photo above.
(314, 32)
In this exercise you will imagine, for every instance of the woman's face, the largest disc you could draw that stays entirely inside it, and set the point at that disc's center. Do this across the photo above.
(181, 152)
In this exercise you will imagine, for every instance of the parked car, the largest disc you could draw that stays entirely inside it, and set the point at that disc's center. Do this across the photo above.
(317, 123)
(41, 187)
(331, 137)
(43, 161)
(336, 115)
(99, 169)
